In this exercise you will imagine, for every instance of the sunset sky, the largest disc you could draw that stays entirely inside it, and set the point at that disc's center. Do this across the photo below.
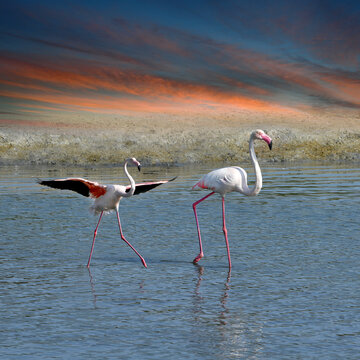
(67, 58)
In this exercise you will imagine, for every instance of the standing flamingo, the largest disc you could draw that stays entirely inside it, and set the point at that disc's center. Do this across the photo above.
(106, 197)
(230, 179)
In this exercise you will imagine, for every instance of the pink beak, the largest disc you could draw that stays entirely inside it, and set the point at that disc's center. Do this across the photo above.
(268, 140)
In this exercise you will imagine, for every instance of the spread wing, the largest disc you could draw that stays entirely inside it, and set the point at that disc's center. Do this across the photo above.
(84, 187)
(146, 186)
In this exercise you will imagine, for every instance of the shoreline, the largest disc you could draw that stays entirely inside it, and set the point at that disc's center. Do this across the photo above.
(171, 141)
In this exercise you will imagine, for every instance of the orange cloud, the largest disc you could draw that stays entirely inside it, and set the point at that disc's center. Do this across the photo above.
(45, 84)
(193, 99)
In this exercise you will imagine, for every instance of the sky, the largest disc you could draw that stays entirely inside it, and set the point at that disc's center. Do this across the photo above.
(72, 58)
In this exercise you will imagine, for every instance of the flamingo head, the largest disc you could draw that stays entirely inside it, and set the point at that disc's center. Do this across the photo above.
(135, 162)
(261, 135)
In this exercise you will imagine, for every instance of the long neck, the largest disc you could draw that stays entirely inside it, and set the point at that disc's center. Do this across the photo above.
(132, 182)
(258, 177)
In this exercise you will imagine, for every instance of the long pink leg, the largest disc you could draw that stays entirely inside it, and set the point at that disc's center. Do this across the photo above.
(93, 243)
(225, 231)
(201, 254)
(123, 238)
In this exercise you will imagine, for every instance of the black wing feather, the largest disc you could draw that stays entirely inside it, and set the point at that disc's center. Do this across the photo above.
(141, 188)
(77, 186)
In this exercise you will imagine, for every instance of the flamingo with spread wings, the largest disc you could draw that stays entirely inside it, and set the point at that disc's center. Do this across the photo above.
(230, 179)
(106, 197)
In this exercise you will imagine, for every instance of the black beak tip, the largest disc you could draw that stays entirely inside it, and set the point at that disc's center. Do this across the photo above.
(139, 167)
(270, 145)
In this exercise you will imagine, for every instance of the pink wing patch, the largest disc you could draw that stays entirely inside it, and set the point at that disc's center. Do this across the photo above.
(96, 190)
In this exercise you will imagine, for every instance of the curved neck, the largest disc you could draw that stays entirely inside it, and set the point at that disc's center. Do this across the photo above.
(132, 182)
(258, 177)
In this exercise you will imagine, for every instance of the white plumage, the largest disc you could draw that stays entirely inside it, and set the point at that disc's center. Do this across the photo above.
(106, 197)
(230, 179)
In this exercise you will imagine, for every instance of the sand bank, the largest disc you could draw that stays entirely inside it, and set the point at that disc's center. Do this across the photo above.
(181, 139)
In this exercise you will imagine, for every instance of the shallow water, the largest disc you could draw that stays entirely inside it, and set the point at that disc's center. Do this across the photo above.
(293, 292)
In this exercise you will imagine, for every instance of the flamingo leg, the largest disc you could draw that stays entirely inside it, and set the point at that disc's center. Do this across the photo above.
(225, 232)
(201, 254)
(123, 238)
(93, 243)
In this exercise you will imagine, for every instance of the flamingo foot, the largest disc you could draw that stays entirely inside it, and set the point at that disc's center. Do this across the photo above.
(143, 262)
(199, 257)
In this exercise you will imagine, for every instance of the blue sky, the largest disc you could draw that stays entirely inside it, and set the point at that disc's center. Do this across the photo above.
(112, 57)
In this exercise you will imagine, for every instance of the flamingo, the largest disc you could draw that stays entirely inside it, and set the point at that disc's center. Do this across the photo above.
(230, 179)
(106, 197)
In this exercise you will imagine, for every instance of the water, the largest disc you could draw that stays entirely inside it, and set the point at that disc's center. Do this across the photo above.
(293, 292)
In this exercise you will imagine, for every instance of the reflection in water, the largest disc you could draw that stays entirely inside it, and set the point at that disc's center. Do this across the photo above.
(92, 287)
(223, 300)
(200, 274)
(197, 297)
(93, 291)
(278, 302)
(236, 335)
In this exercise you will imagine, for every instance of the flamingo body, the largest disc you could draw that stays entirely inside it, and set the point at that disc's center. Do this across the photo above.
(106, 197)
(109, 200)
(229, 179)
(224, 180)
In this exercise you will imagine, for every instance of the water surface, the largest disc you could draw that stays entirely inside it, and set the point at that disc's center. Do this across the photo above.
(293, 292)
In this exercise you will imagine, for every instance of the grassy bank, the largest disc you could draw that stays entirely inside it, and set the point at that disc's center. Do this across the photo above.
(173, 146)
